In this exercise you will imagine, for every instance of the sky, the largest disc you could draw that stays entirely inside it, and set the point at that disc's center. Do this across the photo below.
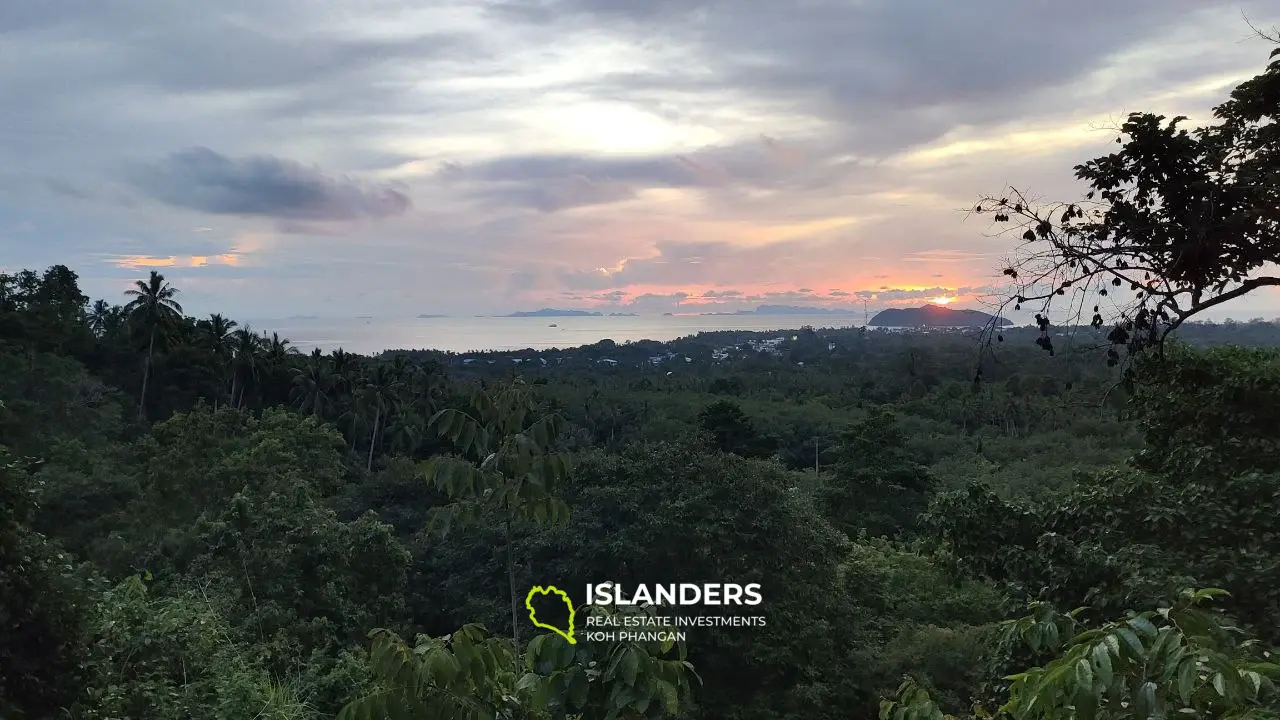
(383, 157)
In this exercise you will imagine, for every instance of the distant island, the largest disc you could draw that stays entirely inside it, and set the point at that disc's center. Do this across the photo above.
(932, 316)
(425, 315)
(787, 310)
(552, 312)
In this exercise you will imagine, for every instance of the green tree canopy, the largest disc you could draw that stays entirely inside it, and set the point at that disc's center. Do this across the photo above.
(1175, 222)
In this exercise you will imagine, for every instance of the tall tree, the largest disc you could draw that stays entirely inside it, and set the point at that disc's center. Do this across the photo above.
(98, 317)
(312, 384)
(1182, 221)
(730, 428)
(244, 363)
(505, 464)
(377, 396)
(218, 334)
(153, 304)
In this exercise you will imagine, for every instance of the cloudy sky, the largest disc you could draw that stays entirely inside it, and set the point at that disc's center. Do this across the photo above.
(348, 157)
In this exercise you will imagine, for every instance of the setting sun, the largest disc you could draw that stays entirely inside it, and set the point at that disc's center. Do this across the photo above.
(943, 300)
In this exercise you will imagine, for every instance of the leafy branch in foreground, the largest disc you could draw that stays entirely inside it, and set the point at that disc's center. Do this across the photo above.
(471, 675)
(1176, 222)
(504, 465)
(1179, 660)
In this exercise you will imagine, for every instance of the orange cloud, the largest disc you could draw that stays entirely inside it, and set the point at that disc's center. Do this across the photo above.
(135, 262)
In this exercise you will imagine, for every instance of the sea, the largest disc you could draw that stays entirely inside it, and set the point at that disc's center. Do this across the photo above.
(372, 335)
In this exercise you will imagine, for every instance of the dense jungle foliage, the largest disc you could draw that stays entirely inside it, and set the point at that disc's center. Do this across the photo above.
(198, 521)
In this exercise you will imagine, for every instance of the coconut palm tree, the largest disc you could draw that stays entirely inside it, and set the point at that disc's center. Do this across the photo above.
(219, 340)
(312, 384)
(8, 293)
(152, 305)
(98, 317)
(246, 356)
(344, 368)
(218, 331)
(277, 350)
(277, 368)
(377, 396)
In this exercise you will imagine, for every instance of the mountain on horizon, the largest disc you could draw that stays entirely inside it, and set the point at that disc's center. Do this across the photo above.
(933, 316)
(553, 312)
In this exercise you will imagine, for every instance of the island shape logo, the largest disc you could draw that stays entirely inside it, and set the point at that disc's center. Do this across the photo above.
(549, 590)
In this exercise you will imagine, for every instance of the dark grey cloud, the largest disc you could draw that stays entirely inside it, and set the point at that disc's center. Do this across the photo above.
(707, 262)
(201, 179)
(558, 194)
(665, 171)
(893, 73)
(613, 297)
(101, 80)
(228, 45)
(557, 182)
(560, 181)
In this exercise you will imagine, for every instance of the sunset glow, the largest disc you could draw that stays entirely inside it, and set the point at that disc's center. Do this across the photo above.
(467, 157)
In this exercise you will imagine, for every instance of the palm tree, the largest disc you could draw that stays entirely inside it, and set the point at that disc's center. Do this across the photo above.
(377, 394)
(277, 350)
(220, 341)
(244, 363)
(9, 293)
(152, 304)
(312, 383)
(344, 368)
(98, 317)
(218, 331)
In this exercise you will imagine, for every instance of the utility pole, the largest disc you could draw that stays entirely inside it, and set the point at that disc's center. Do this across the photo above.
(815, 455)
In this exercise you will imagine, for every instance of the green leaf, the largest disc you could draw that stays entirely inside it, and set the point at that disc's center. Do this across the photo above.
(563, 652)
(1187, 677)
(528, 680)
(1144, 701)
(1051, 638)
(1084, 674)
(1131, 641)
(1144, 626)
(1033, 637)
(1102, 660)
(630, 666)
(1230, 677)
(644, 696)
(1254, 682)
